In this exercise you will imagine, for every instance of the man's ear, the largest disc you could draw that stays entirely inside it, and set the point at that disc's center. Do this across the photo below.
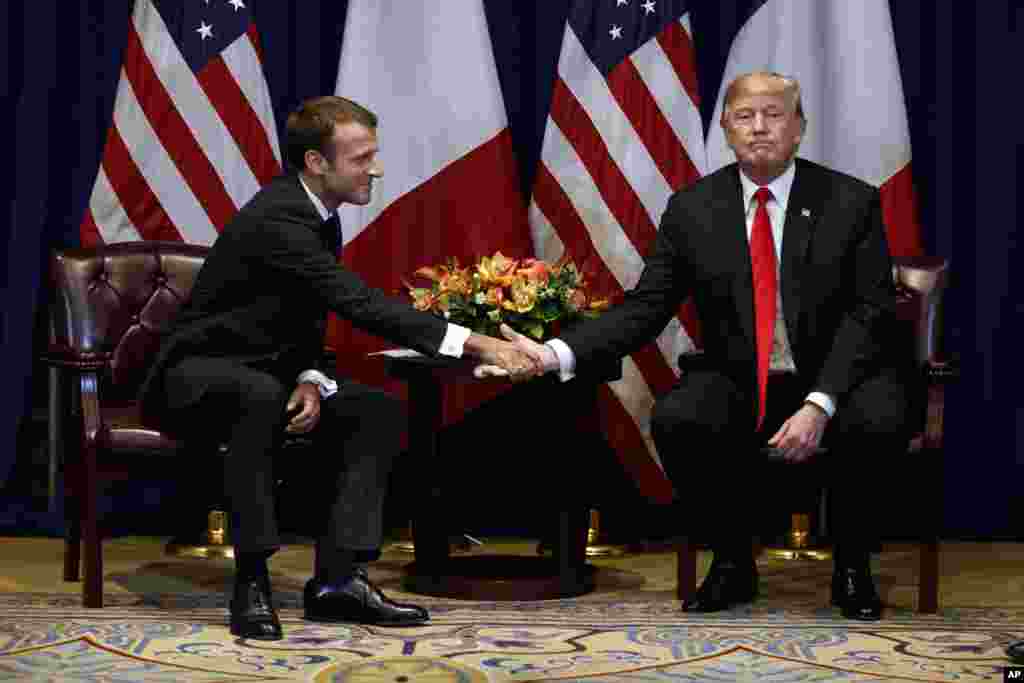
(314, 161)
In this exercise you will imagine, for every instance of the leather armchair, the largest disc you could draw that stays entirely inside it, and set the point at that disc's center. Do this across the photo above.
(110, 306)
(920, 282)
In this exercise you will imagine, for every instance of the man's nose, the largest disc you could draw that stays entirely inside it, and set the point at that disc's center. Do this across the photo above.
(377, 170)
(760, 121)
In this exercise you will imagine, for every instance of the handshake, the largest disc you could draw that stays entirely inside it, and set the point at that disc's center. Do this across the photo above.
(519, 358)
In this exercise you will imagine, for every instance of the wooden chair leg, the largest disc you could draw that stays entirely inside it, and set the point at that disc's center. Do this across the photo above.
(686, 569)
(92, 587)
(928, 573)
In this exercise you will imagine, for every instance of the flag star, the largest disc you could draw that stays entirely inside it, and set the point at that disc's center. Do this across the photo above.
(649, 6)
(620, 3)
(616, 32)
(237, 4)
(205, 30)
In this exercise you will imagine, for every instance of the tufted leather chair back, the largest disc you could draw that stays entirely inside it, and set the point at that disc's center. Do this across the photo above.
(113, 303)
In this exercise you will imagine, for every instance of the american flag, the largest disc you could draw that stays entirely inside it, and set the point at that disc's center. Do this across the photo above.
(624, 132)
(193, 134)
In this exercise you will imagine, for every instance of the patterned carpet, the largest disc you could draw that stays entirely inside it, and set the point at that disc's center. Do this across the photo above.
(630, 629)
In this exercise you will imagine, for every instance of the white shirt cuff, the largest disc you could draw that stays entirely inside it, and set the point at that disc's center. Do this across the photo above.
(566, 359)
(454, 340)
(823, 401)
(327, 386)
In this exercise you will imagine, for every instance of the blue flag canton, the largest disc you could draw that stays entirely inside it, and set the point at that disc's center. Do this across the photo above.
(203, 28)
(611, 30)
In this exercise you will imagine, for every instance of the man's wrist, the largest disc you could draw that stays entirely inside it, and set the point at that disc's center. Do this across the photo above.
(823, 402)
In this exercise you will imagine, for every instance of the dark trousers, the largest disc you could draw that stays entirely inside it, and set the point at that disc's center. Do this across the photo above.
(704, 430)
(354, 445)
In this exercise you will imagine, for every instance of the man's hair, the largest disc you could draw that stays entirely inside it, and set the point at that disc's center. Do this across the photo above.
(788, 85)
(311, 126)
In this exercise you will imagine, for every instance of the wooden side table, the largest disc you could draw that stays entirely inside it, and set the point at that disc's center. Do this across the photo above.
(485, 577)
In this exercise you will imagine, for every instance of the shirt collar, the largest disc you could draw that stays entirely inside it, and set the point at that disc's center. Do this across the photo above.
(320, 208)
(780, 187)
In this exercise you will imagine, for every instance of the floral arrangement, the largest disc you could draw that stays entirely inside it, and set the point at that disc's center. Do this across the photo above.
(529, 295)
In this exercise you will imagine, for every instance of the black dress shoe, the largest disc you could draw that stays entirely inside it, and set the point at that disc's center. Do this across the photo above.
(1016, 652)
(252, 612)
(724, 586)
(854, 591)
(356, 600)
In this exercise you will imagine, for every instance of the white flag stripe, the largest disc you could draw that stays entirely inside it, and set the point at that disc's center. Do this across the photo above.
(611, 243)
(664, 85)
(239, 56)
(637, 399)
(547, 245)
(631, 156)
(159, 170)
(844, 57)
(674, 341)
(110, 218)
(422, 129)
(201, 117)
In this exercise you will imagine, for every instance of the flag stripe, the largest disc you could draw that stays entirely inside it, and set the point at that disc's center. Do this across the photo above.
(241, 57)
(607, 239)
(140, 205)
(110, 215)
(236, 111)
(161, 174)
(175, 135)
(630, 90)
(675, 42)
(613, 190)
(632, 449)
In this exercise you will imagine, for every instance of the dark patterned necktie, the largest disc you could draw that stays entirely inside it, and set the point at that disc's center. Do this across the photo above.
(330, 234)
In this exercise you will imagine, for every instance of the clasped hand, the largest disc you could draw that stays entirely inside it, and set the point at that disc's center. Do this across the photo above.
(306, 399)
(520, 358)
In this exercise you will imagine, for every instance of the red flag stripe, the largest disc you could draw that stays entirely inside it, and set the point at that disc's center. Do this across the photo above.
(622, 200)
(257, 46)
(630, 91)
(140, 204)
(90, 233)
(625, 438)
(678, 47)
(174, 133)
(240, 118)
(899, 211)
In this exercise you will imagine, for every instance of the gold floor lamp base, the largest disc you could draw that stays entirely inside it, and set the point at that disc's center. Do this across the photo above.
(594, 547)
(214, 545)
(798, 544)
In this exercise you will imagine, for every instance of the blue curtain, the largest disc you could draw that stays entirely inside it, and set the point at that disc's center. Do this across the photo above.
(63, 63)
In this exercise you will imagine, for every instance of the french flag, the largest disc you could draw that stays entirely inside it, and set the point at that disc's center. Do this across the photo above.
(450, 186)
(844, 56)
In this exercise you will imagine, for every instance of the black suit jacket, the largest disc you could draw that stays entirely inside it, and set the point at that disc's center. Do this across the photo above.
(263, 293)
(838, 295)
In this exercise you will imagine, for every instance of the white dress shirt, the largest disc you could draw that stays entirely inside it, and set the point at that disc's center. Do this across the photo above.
(452, 345)
(782, 354)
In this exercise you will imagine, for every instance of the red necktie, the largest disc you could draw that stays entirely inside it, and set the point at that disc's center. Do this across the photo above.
(763, 268)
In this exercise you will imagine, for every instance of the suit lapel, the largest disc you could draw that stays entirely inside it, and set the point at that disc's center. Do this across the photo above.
(802, 214)
(730, 228)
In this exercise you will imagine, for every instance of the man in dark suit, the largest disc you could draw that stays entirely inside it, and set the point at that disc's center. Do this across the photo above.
(795, 349)
(242, 364)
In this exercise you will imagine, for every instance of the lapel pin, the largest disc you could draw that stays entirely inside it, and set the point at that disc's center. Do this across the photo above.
(806, 213)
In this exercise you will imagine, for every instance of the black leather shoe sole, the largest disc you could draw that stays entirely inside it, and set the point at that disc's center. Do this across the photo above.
(240, 630)
(864, 613)
(342, 619)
